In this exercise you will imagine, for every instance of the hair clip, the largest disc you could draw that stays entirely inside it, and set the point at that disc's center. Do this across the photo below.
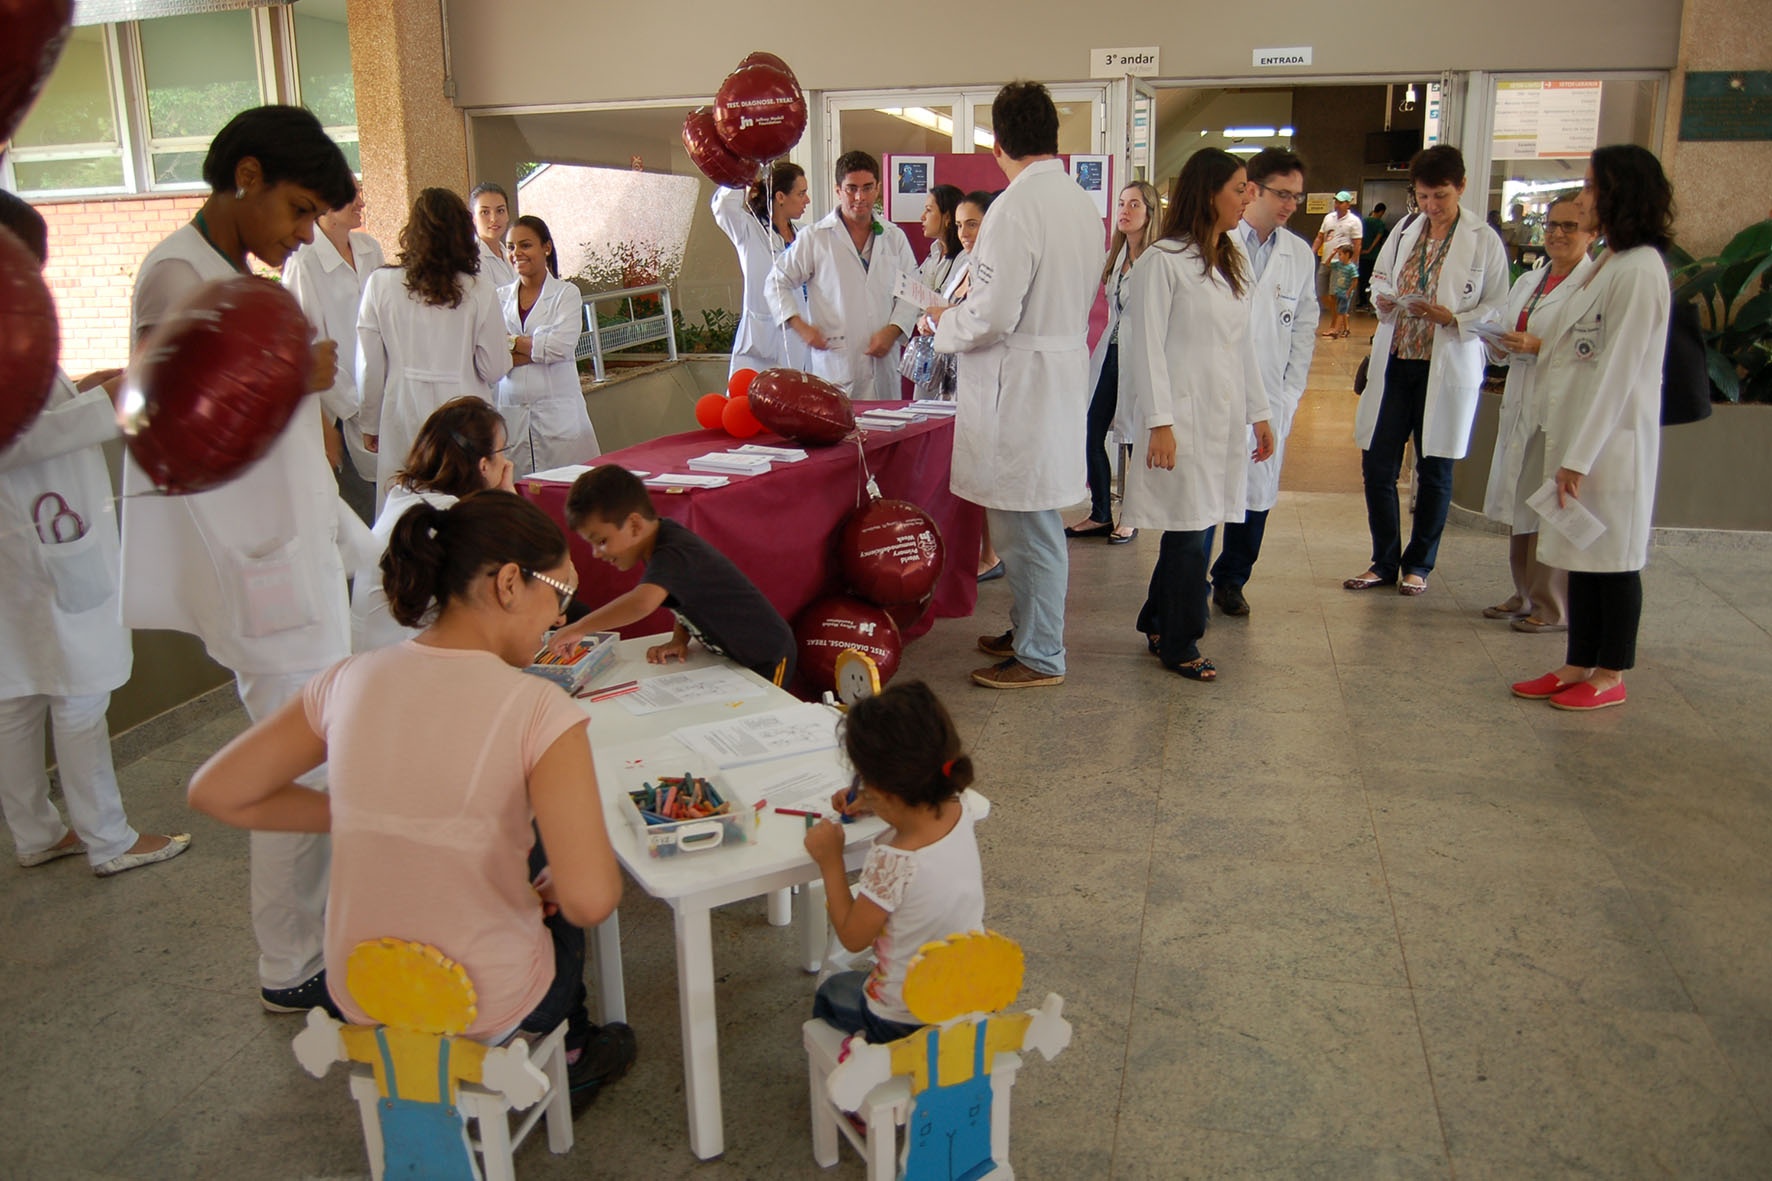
(947, 768)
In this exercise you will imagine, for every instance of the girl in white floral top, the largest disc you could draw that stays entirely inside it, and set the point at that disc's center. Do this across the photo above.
(922, 879)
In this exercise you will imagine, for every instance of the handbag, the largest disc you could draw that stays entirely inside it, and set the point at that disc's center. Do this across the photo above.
(1685, 372)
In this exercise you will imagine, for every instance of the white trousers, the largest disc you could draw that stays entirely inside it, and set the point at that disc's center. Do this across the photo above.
(83, 758)
(289, 869)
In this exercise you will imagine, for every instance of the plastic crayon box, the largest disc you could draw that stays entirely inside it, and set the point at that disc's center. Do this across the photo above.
(595, 653)
(678, 797)
(686, 813)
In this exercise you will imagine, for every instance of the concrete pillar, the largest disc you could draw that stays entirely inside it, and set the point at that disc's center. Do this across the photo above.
(1719, 188)
(413, 136)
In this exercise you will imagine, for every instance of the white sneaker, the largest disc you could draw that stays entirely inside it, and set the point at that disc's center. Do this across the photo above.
(177, 843)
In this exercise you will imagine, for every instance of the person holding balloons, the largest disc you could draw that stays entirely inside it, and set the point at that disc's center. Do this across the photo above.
(255, 568)
(760, 221)
(540, 398)
(428, 330)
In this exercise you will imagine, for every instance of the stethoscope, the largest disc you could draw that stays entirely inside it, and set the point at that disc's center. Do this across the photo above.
(63, 524)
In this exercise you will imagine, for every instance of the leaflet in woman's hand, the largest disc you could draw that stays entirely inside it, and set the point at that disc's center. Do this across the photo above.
(1572, 519)
(913, 291)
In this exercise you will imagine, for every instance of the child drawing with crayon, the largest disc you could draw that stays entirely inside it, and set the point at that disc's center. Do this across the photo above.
(922, 880)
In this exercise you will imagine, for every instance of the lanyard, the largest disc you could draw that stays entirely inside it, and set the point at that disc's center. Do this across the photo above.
(203, 229)
(1545, 288)
(1422, 264)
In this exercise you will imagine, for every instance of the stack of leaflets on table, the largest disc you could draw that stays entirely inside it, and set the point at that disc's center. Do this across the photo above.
(875, 421)
(674, 480)
(730, 463)
(933, 408)
(773, 454)
(595, 653)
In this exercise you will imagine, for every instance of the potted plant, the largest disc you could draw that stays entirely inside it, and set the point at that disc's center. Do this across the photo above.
(1732, 289)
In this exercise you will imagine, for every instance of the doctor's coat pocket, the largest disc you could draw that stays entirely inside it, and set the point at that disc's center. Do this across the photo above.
(79, 577)
(269, 593)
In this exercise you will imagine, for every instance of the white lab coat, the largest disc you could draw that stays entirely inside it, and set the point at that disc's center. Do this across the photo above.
(1023, 338)
(329, 290)
(1523, 400)
(546, 423)
(1473, 284)
(1283, 316)
(760, 343)
(1189, 358)
(256, 567)
(59, 631)
(372, 626)
(847, 302)
(1601, 372)
(495, 268)
(1116, 289)
(412, 357)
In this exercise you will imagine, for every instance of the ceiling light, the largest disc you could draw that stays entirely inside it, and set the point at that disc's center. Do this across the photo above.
(1287, 132)
(1243, 150)
(1248, 132)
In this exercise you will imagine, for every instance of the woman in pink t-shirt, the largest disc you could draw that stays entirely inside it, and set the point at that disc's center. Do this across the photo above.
(446, 763)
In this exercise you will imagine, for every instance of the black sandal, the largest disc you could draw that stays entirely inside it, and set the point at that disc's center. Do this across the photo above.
(1154, 643)
(1196, 670)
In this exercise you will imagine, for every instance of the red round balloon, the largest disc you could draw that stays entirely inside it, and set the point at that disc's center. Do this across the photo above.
(909, 615)
(708, 410)
(36, 30)
(891, 552)
(760, 112)
(709, 152)
(739, 384)
(213, 386)
(738, 420)
(764, 58)
(831, 625)
(801, 407)
(30, 340)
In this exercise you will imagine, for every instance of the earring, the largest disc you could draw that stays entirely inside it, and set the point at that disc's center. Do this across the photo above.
(240, 193)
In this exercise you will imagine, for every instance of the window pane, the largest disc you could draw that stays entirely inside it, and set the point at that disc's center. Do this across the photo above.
(75, 107)
(897, 130)
(201, 71)
(85, 172)
(1076, 126)
(178, 168)
(323, 52)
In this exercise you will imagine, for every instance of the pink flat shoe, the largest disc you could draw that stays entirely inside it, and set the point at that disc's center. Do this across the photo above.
(1543, 688)
(1584, 697)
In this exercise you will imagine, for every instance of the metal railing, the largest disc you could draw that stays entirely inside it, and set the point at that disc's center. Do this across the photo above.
(597, 340)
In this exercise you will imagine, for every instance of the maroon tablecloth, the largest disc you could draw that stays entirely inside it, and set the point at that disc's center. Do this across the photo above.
(781, 527)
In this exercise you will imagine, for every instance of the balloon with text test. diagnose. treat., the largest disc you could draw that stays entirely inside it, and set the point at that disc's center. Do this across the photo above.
(798, 406)
(214, 385)
(891, 552)
(32, 33)
(760, 112)
(909, 615)
(830, 625)
(763, 57)
(708, 152)
(30, 339)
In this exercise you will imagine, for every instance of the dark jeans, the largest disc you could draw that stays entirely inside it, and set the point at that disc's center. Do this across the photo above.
(1604, 610)
(1100, 466)
(842, 1004)
(1242, 545)
(1175, 606)
(1399, 420)
(565, 997)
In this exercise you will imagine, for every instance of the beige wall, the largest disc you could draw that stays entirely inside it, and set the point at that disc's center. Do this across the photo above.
(1718, 187)
(509, 52)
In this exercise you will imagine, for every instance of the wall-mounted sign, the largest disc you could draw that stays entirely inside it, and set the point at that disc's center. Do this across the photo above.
(1140, 61)
(1546, 120)
(1727, 105)
(1430, 123)
(1296, 55)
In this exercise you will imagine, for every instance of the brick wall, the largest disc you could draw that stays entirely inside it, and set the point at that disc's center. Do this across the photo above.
(94, 249)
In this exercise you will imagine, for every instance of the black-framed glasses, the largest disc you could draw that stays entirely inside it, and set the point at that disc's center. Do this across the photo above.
(560, 588)
(1561, 227)
(1286, 196)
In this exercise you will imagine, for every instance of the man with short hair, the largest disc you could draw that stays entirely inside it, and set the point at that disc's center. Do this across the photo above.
(1341, 227)
(1023, 382)
(1373, 232)
(848, 263)
(1282, 329)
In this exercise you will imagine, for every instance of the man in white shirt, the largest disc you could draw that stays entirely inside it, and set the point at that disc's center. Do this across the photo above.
(1023, 380)
(1282, 326)
(1341, 227)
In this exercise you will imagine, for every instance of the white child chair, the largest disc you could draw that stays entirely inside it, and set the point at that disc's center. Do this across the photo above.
(418, 1084)
(947, 1084)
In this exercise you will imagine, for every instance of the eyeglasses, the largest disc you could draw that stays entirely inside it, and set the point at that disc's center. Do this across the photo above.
(560, 588)
(1561, 227)
(1286, 196)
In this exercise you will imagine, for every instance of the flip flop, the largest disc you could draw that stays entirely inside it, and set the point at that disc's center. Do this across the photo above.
(1411, 589)
(1154, 642)
(1366, 582)
(1196, 670)
(1089, 530)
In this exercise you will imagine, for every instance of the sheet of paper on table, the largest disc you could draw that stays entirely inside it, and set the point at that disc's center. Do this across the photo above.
(804, 791)
(1573, 520)
(569, 473)
(913, 291)
(874, 422)
(778, 734)
(697, 686)
(676, 480)
(773, 454)
(730, 463)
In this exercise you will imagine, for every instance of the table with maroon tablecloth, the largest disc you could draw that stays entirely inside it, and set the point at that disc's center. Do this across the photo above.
(781, 528)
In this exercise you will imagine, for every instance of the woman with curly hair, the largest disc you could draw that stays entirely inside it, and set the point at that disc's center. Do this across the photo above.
(429, 329)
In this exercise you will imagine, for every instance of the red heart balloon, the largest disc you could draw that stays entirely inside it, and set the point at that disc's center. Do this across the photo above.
(760, 112)
(30, 340)
(830, 625)
(909, 615)
(213, 386)
(764, 58)
(36, 30)
(801, 407)
(891, 552)
(708, 152)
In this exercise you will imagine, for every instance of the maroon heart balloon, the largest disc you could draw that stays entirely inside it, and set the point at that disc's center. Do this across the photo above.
(891, 552)
(801, 407)
(909, 615)
(213, 386)
(764, 58)
(708, 152)
(35, 31)
(829, 626)
(30, 340)
(760, 112)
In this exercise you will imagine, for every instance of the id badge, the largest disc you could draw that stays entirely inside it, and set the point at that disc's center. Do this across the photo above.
(1589, 339)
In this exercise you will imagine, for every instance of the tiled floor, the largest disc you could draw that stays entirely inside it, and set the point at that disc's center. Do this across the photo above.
(1350, 912)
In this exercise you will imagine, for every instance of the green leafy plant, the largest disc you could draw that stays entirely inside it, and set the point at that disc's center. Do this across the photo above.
(714, 335)
(1732, 289)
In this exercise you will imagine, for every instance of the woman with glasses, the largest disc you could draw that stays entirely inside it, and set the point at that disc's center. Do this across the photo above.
(461, 450)
(1517, 468)
(1434, 281)
(446, 761)
(1601, 364)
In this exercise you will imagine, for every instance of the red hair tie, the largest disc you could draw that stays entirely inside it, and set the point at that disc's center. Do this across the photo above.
(947, 768)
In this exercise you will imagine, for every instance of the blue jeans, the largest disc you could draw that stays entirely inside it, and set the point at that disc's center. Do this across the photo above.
(842, 1004)
(1102, 407)
(1175, 606)
(1399, 420)
(1038, 568)
(565, 997)
(1242, 545)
